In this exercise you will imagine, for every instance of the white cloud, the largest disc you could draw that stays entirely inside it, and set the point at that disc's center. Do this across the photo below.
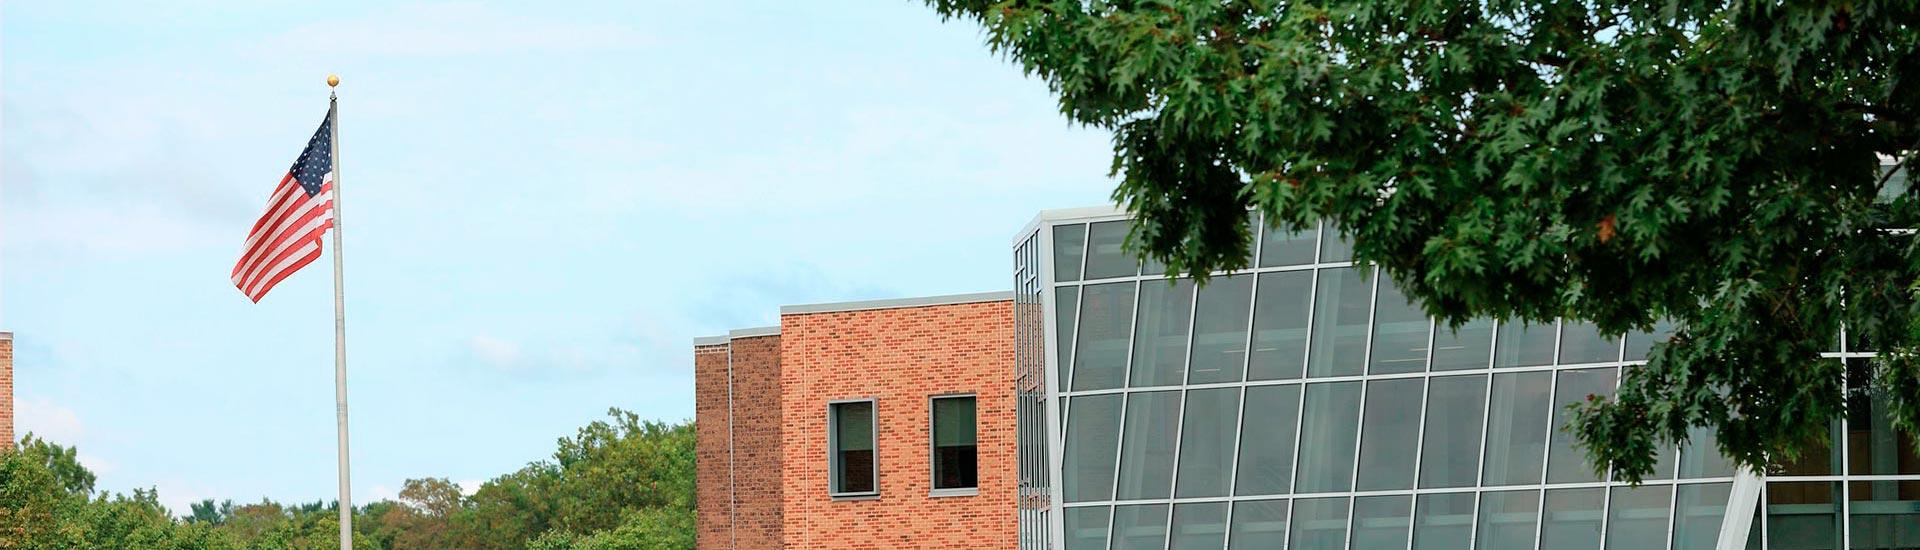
(494, 350)
(97, 465)
(378, 493)
(49, 421)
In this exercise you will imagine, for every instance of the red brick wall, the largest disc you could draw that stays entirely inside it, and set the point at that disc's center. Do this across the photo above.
(899, 357)
(737, 492)
(713, 517)
(6, 390)
(757, 428)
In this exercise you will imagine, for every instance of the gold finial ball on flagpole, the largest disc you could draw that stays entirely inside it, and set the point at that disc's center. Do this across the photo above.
(333, 80)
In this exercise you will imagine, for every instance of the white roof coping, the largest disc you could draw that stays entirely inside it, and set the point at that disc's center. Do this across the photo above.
(893, 303)
(753, 332)
(720, 340)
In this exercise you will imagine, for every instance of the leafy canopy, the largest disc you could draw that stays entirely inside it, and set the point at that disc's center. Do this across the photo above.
(1715, 163)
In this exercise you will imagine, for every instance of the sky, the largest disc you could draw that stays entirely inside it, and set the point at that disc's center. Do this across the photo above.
(542, 205)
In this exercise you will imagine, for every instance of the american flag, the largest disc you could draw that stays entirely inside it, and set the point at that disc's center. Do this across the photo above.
(287, 237)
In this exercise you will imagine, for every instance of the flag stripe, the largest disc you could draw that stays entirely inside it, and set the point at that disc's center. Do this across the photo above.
(284, 198)
(309, 234)
(281, 214)
(313, 253)
(314, 212)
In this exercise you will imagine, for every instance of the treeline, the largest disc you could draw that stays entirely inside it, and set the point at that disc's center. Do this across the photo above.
(617, 484)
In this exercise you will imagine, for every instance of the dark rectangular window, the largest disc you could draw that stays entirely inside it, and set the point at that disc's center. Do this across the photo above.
(850, 453)
(955, 443)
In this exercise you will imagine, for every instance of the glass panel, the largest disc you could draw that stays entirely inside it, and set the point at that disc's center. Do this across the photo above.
(1259, 525)
(1140, 527)
(1390, 434)
(1874, 446)
(1450, 450)
(1281, 310)
(1066, 310)
(1340, 323)
(1517, 428)
(1160, 333)
(1334, 245)
(1637, 517)
(1093, 435)
(1220, 329)
(954, 445)
(1382, 521)
(1573, 519)
(1507, 519)
(1206, 441)
(853, 448)
(1282, 247)
(1701, 457)
(1319, 524)
(1106, 251)
(1521, 344)
(1469, 347)
(1266, 440)
(1885, 514)
(1069, 245)
(1581, 342)
(1146, 448)
(1803, 515)
(1106, 321)
(1086, 528)
(1400, 331)
(1697, 515)
(1640, 344)
(1327, 432)
(1566, 464)
(1199, 526)
(1443, 521)
(1817, 458)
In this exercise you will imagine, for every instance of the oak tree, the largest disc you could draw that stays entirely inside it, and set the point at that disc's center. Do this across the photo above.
(1727, 165)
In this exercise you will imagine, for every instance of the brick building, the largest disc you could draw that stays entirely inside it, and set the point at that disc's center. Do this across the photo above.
(6, 390)
(881, 424)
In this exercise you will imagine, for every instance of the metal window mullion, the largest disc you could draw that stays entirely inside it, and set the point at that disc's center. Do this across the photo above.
(1360, 431)
(1300, 405)
(1546, 458)
(1126, 380)
(1246, 367)
(1844, 467)
(1180, 423)
(1606, 512)
(1480, 465)
(1673, 507)
(1233, 472)
(1420, 438)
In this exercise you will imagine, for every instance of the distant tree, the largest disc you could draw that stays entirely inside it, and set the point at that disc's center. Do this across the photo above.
(1712, 162)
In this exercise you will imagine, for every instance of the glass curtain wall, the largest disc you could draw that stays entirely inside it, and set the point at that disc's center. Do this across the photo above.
(1304, 402)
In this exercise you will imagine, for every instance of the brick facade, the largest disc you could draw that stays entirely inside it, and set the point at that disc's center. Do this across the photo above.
(899, 357)
(774, 493)
(737, 428)
(6, 390)
(712, 498)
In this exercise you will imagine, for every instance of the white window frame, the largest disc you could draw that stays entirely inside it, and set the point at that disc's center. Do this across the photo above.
(933, 478)
(833, 454)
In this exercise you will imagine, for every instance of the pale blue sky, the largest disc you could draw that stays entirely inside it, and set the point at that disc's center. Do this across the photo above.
(542, 205)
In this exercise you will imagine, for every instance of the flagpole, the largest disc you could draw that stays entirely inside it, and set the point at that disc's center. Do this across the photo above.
(339, 326)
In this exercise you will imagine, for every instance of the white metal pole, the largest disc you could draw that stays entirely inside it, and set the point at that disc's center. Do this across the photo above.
(339, 329)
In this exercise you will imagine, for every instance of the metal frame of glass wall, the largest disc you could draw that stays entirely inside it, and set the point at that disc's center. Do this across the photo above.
(1303, 402)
